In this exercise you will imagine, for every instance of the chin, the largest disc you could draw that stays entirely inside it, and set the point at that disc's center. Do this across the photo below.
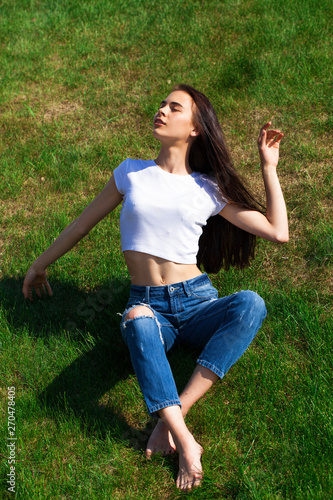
(156, 133)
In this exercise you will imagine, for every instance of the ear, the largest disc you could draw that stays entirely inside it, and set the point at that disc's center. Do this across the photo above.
(195, 133)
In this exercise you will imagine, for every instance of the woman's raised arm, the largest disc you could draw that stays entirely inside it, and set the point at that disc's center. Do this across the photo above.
(274, 225)
(103, 204)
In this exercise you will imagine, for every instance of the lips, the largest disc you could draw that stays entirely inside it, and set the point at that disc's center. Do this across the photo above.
(158, 121)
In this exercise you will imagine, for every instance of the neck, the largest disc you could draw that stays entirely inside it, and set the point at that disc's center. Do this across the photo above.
(174, 160)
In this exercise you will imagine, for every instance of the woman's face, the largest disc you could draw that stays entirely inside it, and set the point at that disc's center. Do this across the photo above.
(174, 120)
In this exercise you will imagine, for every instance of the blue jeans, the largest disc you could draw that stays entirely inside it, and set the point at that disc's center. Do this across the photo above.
(191, 313)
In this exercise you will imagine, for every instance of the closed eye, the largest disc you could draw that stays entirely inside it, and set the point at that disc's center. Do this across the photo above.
(174, 106)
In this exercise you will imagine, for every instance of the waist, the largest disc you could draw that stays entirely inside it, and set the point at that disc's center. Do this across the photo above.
(149, 270)
(172, 288)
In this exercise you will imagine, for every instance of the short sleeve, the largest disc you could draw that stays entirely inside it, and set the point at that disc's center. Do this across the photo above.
(219, 201)
(219, 205)
(120, 174)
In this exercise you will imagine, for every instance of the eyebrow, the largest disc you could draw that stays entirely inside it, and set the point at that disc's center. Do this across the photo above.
(174, 103)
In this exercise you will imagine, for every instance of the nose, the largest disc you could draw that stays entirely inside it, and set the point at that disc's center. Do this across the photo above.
(161, 111)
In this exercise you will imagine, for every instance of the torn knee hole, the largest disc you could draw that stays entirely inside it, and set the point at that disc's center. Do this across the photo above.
(139, 312)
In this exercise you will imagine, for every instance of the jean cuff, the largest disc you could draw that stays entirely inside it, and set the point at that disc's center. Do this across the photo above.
(153, 410)
(211, 367)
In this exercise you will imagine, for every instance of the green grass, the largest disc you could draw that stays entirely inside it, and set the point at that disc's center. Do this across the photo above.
(80, 82)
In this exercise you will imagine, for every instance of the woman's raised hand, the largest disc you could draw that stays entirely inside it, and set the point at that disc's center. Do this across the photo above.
(38, 281)
(268, 144)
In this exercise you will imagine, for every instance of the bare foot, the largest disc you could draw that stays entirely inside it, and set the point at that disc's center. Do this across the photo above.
(190, 469)
(160, 441)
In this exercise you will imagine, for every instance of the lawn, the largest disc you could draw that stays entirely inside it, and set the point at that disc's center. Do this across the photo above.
(79, 85)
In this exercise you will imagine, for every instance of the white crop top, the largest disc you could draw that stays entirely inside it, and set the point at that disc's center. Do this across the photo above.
(162, 213)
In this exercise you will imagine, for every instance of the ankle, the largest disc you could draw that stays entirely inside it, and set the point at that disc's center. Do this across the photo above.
(184, 411)
(186, 442)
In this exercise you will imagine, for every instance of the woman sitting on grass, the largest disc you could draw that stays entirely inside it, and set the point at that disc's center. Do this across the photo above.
(166, 238)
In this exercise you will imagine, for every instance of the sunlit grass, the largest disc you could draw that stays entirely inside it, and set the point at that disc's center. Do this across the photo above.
(80, 82)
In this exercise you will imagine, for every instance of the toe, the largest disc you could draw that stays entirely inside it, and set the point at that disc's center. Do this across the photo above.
(197, 482)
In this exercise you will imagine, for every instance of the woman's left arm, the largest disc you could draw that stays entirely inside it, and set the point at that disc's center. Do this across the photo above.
(274, 225)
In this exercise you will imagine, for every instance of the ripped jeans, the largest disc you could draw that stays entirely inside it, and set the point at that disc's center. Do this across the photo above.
(190, 313)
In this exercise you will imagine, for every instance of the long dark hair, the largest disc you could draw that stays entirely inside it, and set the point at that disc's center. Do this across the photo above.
(221, 244)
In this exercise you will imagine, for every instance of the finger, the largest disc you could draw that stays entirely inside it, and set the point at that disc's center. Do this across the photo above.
(271, 135)
(27, 292)
(262, 135)
(275, 140)
(273, 131)
(278, 137)
(266, 126)
(48, 288)
(263, 131)
(37, 290)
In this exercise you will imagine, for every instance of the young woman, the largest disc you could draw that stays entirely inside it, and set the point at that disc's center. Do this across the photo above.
(166, 239)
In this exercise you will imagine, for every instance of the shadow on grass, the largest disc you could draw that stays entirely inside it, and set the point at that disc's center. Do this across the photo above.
(89, 322)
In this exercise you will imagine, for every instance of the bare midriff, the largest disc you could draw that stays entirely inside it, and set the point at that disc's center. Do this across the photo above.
(148, 270)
